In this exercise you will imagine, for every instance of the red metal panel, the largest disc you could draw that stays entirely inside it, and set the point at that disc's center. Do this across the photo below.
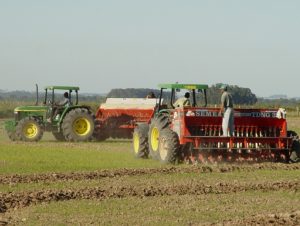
(129, 117)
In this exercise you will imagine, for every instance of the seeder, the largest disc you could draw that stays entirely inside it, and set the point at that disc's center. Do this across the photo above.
(117, 117)
(259, 136)
(194, 134)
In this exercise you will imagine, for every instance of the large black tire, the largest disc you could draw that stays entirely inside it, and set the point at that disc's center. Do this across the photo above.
(295, 150)
(59, 136)
(169, 146)
(158, 123)
(295, 153)
(29, 129)
(291, 133)
(140, 141)
(78, 125)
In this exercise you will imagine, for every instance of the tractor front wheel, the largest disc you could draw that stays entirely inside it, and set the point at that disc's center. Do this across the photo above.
(168, 146)
(158, 123)
(78, 125)
(29, 129)
(140, 141)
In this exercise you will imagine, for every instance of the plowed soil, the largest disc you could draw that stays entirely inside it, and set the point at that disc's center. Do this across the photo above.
(292, 218)
(13, 201)
(18, 200)
(52, 177)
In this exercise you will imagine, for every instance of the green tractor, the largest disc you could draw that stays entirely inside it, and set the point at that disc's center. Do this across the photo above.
(68, 122)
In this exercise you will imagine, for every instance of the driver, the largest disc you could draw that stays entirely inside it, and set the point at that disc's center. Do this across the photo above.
(183, 101)
(65, 101)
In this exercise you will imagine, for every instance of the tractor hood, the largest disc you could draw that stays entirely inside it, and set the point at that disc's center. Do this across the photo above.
(31, 108)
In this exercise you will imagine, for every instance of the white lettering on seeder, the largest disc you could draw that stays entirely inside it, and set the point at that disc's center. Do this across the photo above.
(266, 114)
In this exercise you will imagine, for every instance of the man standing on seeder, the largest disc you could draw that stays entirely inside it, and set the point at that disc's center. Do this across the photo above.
(227, 112)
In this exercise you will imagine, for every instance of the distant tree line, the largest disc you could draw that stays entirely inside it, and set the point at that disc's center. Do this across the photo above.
(241, 96)
(17, 95)
(275, 103)
(26, 96)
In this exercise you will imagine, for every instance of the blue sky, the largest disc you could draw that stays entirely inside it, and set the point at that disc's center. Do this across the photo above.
(100, 45)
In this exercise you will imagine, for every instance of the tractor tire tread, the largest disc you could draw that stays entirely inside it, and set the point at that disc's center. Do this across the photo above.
(19, 130)
(142, 131)
(161, 122)
(67, 124)
(172, 146)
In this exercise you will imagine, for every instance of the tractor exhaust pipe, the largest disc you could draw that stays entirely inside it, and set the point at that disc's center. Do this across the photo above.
(37, 94)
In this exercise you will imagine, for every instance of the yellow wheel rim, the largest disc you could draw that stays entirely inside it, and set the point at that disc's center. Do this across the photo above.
(30, 130)
(136, 142)
(154, 138)
(81, 126)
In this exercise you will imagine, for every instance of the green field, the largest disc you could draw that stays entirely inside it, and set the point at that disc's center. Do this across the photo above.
(101, 183)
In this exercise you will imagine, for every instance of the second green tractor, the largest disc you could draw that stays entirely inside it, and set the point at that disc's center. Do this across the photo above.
(71, 122)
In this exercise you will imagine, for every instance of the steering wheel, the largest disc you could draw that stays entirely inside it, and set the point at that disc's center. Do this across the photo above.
(165, 111)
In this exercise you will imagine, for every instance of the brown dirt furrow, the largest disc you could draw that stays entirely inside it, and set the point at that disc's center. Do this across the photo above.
(52, 177)
(258, 166)
(292, 218)
(13, 200)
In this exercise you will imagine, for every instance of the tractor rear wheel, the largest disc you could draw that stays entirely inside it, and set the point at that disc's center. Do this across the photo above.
(59, 136)
(140, 141)
(157, 125)
(78, 125)
(29, 129)
(169, 146)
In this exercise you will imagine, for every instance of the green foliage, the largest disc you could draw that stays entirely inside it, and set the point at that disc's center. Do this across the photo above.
(241, 96)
